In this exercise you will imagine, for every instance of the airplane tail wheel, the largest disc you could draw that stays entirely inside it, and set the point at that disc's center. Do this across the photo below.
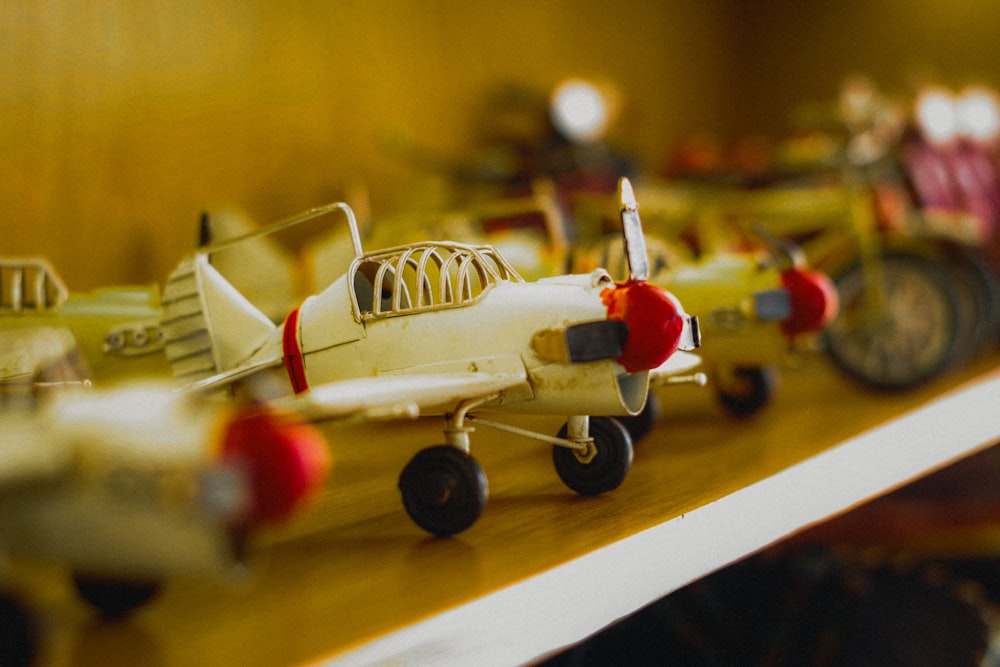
(19, 636)
(114, 598)
(745, 390)
(602, 470)
(444, 490)
(897, 333)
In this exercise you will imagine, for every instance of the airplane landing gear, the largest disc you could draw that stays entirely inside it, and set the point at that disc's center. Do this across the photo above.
(605, 463)
(114, 598)
(444, 490)
(744, 390)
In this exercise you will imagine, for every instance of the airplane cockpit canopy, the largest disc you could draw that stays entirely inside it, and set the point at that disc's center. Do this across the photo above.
(426, 276)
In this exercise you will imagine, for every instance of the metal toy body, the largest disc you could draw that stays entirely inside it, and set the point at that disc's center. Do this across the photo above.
(50, 333)
(757, 299)
(457, 329)
(129, 486)
(754, 312)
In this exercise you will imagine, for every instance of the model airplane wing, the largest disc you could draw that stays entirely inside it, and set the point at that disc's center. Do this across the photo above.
(395, 396)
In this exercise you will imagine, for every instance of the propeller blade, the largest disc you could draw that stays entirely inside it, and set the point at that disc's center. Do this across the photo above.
(635, 242)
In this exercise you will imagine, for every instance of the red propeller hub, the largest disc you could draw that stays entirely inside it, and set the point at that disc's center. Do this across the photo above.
(654, 321)
(284, 460)
(814, 301)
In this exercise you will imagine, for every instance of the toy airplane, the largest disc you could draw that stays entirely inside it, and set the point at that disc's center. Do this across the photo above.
(755, 306)
(45, 330)
(132, 485)
(453, 327)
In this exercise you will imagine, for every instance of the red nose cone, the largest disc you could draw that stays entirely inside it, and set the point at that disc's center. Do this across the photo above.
(814, 301)
(654, 324)
(284, 459)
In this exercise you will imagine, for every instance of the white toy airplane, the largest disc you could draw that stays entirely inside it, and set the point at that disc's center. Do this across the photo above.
(454, 329)
(130, 485)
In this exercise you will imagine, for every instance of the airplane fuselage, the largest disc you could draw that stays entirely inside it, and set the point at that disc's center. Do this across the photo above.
(330, 338)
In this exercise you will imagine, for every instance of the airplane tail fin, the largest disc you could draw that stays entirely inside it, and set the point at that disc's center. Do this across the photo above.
(257, 265)
(208, 325)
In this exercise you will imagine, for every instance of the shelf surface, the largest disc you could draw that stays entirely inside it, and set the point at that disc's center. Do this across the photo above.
(354, 582)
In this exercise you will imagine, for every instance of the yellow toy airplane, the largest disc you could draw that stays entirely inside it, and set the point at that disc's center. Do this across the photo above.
(49, 334)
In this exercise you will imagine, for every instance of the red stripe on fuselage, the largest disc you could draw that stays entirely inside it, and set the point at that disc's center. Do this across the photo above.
(294, 363)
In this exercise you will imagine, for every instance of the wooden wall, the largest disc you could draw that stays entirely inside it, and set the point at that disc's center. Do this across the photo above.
(121, 121)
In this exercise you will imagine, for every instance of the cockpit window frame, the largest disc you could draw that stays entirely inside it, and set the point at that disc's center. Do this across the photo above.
(465, 273)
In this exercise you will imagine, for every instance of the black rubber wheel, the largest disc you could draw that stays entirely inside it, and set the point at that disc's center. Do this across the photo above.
(606, 469)
(746, 390)
(19, 638)
(640, 425)
(905, 339)
(444, 490)
(114, 598)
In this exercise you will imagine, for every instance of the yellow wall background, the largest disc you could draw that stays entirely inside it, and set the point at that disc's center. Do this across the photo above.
(787, 52)
(121, 121)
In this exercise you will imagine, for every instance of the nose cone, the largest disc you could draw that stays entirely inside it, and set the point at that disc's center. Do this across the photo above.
(284, 460)
(655, 323)
(814, 301)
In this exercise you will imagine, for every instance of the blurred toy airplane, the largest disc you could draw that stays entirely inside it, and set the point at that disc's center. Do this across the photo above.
(46, 331)
(131, 485)
(453, 328)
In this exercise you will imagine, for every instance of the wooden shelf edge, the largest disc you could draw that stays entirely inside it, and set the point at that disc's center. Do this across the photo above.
(556, 608)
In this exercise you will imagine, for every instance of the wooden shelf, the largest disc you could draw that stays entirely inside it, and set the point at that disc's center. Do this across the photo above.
(354, 582)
